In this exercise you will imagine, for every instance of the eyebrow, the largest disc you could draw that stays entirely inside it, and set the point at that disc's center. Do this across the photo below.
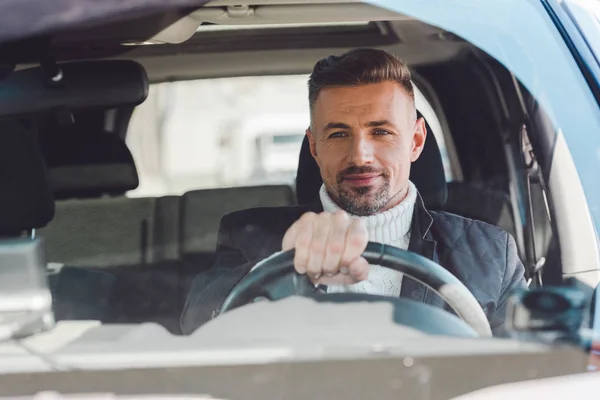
(379, 123)
(341, 125)
(336, 125)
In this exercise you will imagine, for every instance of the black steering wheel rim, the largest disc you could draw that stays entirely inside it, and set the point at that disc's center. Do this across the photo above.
(257, 284)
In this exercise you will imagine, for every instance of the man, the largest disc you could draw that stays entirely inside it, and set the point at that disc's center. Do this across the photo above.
(364, 135)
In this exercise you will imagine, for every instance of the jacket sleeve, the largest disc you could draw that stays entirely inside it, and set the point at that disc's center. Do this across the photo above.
(210, 288)
(207, 293)
(228, 254)
(514, 278)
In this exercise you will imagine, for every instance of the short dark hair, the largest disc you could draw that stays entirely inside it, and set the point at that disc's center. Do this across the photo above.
(358, 67)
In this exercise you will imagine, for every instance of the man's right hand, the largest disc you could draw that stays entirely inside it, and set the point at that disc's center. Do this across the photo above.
(328, 247)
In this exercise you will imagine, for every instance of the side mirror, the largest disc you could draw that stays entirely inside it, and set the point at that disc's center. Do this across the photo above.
(567, 314)
(557, 311)
(25, 298)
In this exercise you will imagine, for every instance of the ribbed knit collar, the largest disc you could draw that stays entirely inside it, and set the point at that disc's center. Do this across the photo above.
(386, 227)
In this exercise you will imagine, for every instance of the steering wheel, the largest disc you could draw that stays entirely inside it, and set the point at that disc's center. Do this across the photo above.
(268, 281)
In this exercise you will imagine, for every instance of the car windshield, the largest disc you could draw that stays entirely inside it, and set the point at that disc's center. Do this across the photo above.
(312, 181)
(586, 14)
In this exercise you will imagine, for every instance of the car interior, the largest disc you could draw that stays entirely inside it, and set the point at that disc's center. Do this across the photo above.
(123, 259)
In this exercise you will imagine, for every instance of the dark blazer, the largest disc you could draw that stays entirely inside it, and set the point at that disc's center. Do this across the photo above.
(480, 255)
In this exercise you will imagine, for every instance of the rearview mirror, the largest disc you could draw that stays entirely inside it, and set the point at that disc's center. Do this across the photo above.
(78, 85)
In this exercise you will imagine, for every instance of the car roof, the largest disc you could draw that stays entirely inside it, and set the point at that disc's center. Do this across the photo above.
(21, 19)
(269, 37)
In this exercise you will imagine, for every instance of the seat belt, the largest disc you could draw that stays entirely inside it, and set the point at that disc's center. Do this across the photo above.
(533, 176)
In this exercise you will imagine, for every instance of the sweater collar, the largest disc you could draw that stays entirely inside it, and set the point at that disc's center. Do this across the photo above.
(421, 225)
(387, 226)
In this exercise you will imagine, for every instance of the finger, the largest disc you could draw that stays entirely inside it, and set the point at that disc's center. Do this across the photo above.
(289, 239)
(334, 249)
(338, 279)
(359, 269)
(316, 254)
(303, 236)
(356, 241)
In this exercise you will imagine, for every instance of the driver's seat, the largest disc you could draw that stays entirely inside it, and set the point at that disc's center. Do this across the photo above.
(427, 173)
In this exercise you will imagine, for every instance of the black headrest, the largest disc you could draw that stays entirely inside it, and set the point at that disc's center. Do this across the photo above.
(427, 173)
(88, 164)
(26, 200)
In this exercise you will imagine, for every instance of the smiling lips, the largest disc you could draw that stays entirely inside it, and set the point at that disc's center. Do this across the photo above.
(361, 179)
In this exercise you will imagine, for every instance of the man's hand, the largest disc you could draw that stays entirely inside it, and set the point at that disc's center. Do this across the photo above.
(329, 247)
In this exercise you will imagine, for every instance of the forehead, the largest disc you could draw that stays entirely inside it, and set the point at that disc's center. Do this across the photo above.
(379, 100)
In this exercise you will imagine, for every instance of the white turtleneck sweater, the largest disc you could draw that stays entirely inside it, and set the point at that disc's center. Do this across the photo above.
(388, 227)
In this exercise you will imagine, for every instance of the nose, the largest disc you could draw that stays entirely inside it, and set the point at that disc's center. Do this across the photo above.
(361, 151)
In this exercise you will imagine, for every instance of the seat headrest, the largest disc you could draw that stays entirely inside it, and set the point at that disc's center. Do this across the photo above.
(26, 200)
(88, 164)
(427, 173)
(201, 212)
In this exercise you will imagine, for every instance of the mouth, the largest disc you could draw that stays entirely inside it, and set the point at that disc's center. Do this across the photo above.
(361, 179)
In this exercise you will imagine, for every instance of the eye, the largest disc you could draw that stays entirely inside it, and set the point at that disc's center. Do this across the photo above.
(337, 135)
(381, 132)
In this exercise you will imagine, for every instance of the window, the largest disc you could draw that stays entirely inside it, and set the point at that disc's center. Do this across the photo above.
(432, 119)
(226, 132)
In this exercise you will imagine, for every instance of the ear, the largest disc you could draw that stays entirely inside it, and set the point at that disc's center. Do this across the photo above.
(312, 144)
(419, 136)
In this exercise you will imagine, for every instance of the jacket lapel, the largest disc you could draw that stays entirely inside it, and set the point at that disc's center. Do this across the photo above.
(422, 243)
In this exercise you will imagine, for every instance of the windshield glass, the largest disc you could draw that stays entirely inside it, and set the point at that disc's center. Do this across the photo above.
(350, 180)
(257, 124)
(587, 17)
(522, 36)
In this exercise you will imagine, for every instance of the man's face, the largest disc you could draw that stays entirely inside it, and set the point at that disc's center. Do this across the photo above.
(364, 139)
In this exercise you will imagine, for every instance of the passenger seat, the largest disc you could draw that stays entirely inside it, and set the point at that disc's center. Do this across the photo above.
(97, 231)
(28, 204)
(95, 224)
(152, 247)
